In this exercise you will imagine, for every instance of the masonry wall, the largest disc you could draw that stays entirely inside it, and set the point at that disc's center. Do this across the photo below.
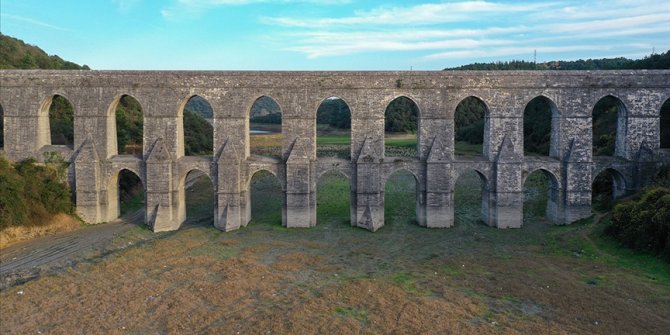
(24, 96)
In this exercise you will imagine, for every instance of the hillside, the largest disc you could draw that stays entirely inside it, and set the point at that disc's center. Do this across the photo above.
(16, 54)
(654, 61)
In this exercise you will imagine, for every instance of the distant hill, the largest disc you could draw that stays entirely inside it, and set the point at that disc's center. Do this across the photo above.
(654, 61)
(16, 54)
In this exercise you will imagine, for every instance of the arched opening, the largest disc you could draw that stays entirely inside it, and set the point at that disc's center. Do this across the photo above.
(2, 128)
(607, 186)
(665, 125)
(198, 130)
(400, 188)
(266, 199)
(265, 128)
(608, 126)
(470, 124)
(540, 194)
(128, 127)
(197, 198)
(333, 129)
(540, 125)
(61, 121)
(401, 128)
(125, 194)
(470, 198)
(333, 194)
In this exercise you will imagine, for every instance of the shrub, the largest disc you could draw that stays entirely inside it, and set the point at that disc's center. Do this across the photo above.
(644, 224)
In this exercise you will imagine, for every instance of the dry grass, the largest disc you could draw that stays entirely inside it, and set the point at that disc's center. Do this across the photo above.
(58, 223)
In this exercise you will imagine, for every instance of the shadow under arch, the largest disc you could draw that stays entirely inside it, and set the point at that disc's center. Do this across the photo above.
(541, 196)
(541, 127)
(125, 194)
(2, 127)
(400, 186)
(607, 185)
(333, 128)
(265, 198)
(196, 198)
(125, 126)
(664, 122)
(264, 135)
(333, 198)
(402, 127)
(608, 127)
(471, 205)
(471, 127)
(195, 129)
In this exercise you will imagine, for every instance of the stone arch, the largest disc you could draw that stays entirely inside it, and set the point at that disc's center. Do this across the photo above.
(664, 124)
(44, 120)
(601, 142)
(194, 174)
(184, 132)
(553, 193)
(113, 190)
(414, 107)
(336, 196)
(617, 180)
(322, 172)
(274, 203)
(462, 108)
(339, 124)
(484, 195)
(248, 118)
(385, 185)
(112, 125)
(554, 126)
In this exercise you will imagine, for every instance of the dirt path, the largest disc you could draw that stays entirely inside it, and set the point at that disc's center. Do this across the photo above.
(26, 260)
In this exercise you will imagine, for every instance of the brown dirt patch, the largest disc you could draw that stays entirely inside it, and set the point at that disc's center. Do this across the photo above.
(58, 223)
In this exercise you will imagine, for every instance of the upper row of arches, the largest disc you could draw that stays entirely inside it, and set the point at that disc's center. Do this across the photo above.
(541, 125)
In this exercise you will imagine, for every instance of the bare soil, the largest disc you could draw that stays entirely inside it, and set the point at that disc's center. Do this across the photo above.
(335, 279)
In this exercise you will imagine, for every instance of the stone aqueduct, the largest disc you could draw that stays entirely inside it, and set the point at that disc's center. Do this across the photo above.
(571, 167)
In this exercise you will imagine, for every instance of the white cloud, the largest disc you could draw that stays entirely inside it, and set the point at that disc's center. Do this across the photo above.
(126, 5)
(501, 52)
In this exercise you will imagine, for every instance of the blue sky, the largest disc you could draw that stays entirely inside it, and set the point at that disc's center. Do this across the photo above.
(333, 34)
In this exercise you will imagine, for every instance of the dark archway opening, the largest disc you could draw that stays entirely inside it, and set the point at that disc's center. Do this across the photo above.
(333, 194)
(606, 118)
(333, 129)
(400, 192)
(607, 186)
(129, 126)
(470, 199)
(266, 199)
(2, 128)
(469, 127)
(198, 198)
(61, 121)
(537, 126)
(665, 125)
(265, 128)
(198, 130)
(401, 127)
(540, 190)
(130, 192)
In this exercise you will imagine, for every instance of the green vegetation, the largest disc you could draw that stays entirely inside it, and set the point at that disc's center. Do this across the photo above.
(537, 126)
(2, 128)
(198, 134)
(605, 114)
(654, 61)
(61, 121)
(469, 121)
(15, 54)
(129, 126)
(665, 125)
(335, 113)
(131, 192)
(643, 223)
(265, 110)
(30, 193)
(401, 116)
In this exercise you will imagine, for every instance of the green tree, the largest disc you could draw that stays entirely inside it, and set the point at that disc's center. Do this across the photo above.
(129, 126)
(198, 134)
(61, 121)
(401, 116)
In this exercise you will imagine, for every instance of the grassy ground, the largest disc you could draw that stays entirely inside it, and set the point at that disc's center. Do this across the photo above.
(337, 279)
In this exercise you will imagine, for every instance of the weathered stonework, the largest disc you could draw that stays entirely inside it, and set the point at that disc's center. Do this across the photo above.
(570, 166)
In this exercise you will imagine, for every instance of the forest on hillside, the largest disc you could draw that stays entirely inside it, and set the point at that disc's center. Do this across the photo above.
(16, 54)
